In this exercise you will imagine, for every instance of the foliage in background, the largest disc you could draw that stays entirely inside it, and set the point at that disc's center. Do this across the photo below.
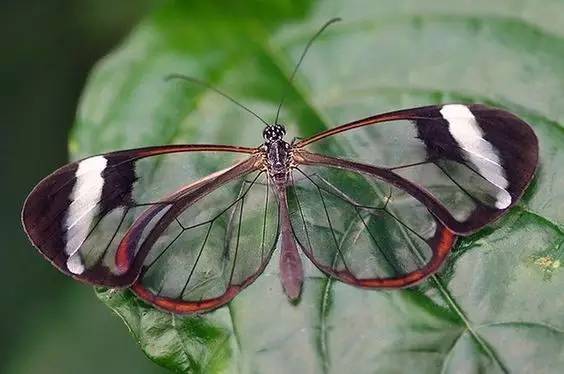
(49, 324)
(495, 307)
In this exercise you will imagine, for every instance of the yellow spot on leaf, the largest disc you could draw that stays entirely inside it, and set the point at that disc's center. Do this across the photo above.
(547, 265)
(544, 262)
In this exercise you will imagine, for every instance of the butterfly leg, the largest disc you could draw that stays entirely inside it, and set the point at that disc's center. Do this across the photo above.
(295, 140)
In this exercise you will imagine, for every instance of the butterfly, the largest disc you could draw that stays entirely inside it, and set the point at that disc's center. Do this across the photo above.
(375, 203)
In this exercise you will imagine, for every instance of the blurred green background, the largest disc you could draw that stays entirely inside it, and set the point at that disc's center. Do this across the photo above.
(47, 323)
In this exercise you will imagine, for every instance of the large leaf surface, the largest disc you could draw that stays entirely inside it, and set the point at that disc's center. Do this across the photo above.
(495, 307)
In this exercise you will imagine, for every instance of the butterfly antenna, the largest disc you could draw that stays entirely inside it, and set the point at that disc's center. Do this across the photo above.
(331, 21)
(207, 85)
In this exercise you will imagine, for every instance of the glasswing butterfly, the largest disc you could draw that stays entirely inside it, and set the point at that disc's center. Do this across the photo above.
(187, 237)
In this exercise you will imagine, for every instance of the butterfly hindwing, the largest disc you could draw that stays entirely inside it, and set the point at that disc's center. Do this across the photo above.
(203, 254)
(364, 231)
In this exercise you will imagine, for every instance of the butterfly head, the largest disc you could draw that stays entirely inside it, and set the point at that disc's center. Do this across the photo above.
(273, 133)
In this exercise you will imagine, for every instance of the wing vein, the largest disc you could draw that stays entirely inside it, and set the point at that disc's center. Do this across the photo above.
(197, 260)
(337, 246)
(238, 240)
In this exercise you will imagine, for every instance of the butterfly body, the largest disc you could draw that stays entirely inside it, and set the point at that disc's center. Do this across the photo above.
(278, 166)
(278, 155)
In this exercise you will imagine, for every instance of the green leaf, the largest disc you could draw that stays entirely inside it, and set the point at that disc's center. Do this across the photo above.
(495, 307)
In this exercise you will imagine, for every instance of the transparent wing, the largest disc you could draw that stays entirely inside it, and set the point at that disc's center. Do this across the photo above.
(77, 216)
(206, 247)
(364, 231)
(473, 160)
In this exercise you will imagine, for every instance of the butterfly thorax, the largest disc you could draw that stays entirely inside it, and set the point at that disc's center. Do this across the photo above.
(278, 156)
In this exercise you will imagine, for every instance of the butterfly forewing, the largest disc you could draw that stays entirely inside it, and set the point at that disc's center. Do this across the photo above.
(213, 248)
(476, 161)
(78, 215)
(364, 231)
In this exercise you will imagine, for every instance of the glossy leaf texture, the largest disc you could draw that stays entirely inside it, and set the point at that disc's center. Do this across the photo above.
(495, 306)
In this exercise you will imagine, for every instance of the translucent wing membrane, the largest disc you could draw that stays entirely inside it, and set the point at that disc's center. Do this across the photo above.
(202, 255)
(364, 231)
(78, 215)
(469, 163)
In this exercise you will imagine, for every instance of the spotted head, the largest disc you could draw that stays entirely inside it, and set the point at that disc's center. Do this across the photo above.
(273, 133)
